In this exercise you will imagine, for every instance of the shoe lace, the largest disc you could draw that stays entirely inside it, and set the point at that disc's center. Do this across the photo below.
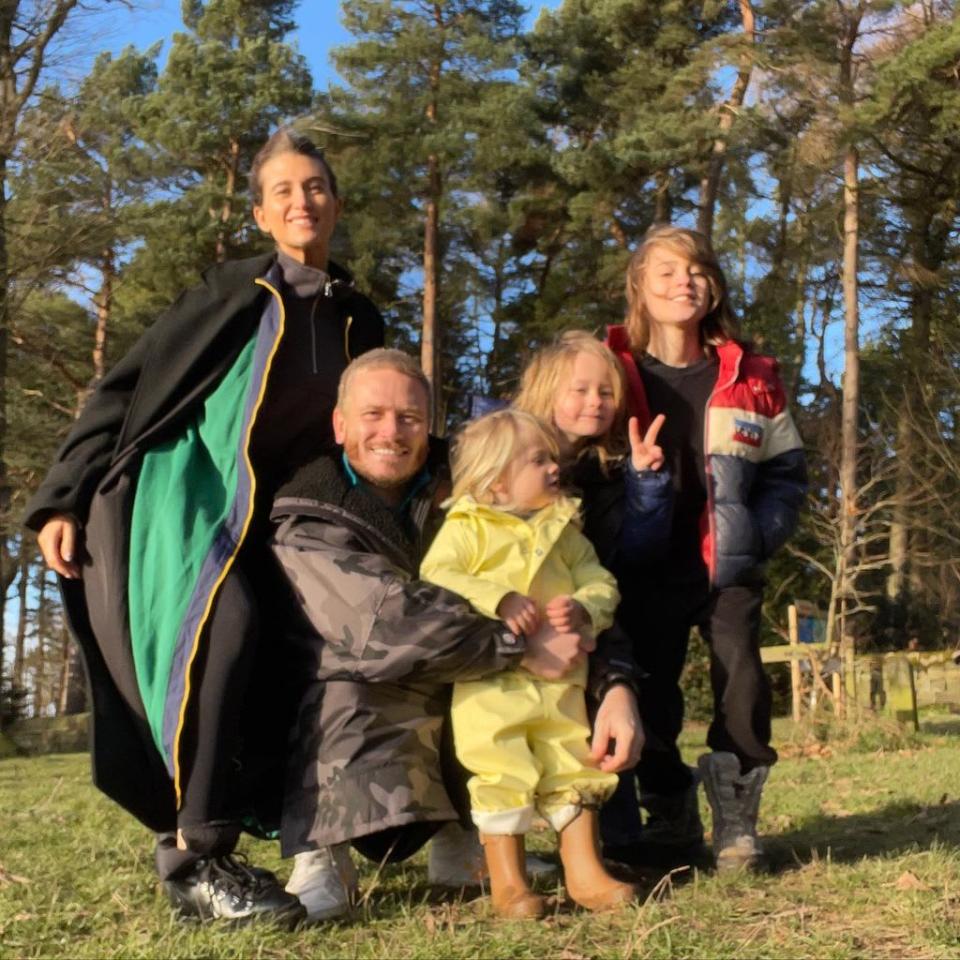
(233, 871)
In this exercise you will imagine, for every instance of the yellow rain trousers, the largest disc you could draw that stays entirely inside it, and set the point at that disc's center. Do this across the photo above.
(524, 739)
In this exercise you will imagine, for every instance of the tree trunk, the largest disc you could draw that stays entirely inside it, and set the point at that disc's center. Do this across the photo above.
(431, 336)
(104, 304)
(21, 642)
(63, 696)
(851, 338)
(663, 202)
(710, 184)
(927, 257)
(229, 192)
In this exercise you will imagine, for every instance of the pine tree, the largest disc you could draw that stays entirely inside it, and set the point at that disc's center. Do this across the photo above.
(26, 33)
(418, 76)
(227, 84)
(626, 97)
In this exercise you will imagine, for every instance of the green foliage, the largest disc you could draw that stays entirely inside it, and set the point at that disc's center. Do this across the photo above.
(429, 85)
(226, 86)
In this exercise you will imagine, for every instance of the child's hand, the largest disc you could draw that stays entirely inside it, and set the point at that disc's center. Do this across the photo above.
(644, 452)
(566, 615)
(519, 613)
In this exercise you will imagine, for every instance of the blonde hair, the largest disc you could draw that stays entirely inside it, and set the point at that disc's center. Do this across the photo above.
(383, 358)
(720, 323)
(543, 377)
(485, 448)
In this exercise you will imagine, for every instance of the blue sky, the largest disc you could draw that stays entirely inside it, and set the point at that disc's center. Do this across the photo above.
(318, 29)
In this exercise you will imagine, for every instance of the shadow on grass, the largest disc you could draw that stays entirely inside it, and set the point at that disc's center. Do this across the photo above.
(895, 829)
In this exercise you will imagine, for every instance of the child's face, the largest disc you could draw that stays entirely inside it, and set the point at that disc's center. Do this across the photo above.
(532, 481)
(584, 406)
(676, 291)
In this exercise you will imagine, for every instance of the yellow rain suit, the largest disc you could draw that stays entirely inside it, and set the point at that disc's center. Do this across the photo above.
(524, 739)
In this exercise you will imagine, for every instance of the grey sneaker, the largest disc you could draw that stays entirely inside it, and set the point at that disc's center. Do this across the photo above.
(735, 804)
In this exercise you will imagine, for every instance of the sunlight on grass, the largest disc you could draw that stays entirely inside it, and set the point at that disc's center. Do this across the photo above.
(863, 841)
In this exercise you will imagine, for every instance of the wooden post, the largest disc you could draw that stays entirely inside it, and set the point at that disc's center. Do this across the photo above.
(793, 630)
(901, 692)
(850, 682)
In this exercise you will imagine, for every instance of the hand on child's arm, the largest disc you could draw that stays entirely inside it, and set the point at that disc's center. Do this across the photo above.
(552, 654)
(519, 613)
(644, 452)
(566, 615)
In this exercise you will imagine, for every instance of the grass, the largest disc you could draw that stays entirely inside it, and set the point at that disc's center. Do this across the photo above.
(863, 831)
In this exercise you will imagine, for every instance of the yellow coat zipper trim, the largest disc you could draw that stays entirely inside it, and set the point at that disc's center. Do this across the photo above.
(233, 556)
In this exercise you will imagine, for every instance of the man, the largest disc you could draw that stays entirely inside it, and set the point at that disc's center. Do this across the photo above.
(369, 765)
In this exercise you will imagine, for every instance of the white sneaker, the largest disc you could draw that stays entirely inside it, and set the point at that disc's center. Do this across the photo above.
(455, 859)
(324, 881)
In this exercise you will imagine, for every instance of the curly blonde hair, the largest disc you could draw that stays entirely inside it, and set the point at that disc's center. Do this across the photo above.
(543, 378)
(720, 323)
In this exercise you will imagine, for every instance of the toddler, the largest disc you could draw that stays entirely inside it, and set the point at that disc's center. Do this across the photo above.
(512, 546)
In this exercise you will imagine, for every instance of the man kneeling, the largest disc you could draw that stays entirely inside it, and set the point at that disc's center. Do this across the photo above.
(370, 764)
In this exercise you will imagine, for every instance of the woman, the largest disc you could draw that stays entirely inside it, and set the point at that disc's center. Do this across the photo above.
(739, 480)
(164, 474)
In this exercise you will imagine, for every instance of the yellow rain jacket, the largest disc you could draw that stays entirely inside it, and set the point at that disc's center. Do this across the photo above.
(524, 739)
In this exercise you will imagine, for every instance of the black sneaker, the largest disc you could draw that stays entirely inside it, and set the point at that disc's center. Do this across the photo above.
(226, 888)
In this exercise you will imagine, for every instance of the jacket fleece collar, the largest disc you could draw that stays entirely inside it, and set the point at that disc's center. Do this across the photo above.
(323, 484)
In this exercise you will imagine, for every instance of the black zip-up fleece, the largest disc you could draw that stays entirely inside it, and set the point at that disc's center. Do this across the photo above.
(157, 386)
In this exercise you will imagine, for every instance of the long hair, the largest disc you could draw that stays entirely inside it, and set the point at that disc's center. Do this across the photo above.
(485, 448)
(720, 323)
(544, 377)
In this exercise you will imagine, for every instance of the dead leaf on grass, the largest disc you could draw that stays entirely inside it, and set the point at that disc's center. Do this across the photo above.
(6, 877)
(908, 880)
(24, 916)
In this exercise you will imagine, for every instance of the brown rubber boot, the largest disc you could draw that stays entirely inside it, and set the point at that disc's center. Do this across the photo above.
(585, 876)
(510, 892)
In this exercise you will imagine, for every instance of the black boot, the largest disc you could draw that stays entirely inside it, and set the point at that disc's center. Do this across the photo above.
(672, 835)
(225, 888)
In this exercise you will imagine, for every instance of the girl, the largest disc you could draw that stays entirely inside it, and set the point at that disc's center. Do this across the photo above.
(510, 544)
(739, 479)
(578, 385)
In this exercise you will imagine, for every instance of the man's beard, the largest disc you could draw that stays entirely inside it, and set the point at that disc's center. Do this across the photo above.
(384, 483)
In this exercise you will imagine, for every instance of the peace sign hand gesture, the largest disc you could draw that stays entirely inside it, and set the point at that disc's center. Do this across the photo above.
(644, 452)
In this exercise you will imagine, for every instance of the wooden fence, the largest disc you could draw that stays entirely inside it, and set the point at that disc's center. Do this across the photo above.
(897, 684)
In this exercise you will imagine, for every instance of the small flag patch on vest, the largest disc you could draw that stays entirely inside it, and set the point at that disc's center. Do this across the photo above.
(745, 431)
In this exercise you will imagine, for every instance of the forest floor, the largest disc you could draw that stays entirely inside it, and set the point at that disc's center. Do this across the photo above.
(863, 834)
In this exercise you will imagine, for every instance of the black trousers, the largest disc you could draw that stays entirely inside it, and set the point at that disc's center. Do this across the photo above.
(213, 790)
(659, 617)
(249, 685)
